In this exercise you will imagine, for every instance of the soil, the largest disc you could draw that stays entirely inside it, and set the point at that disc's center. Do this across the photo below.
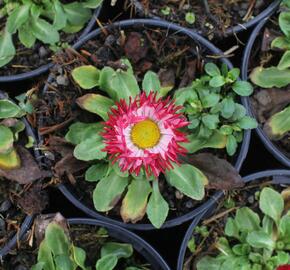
(151, 49)
(85, 236)
(267, 102)
(244, 197)
(221, 15)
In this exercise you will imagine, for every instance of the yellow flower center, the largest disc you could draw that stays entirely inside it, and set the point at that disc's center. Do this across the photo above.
(145, 134)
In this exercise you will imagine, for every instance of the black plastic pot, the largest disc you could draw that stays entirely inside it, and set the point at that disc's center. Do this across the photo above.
(142, 247)
(28, 219)
(65, 188)
(279, 177)
(42, 69)
(232, 30)
(271, 147)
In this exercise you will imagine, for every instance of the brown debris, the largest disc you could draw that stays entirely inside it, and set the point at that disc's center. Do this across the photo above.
(34, 200)
(135, 47)
(29, 170)
(220, 173)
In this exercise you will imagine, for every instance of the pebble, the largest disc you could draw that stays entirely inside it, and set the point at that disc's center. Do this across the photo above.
(62, 80)
(178, 195)
(251, 199)
(42, 52)
(5, 205)
(2, 227)
(110, 40)
(189, 204)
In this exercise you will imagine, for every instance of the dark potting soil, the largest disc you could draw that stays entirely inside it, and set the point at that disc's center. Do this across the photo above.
(10, 216)
(168, 54)
(267, 102)
(216, 221)
(211, 19)
(90, 238)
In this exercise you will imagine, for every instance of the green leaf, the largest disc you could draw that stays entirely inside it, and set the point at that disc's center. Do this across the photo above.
(10, 161)
(228, 107)
(278, 125)
(216, 140)
(187, 179)
(107, 262)
(109, 191)
(79, 256)
(17, 18)
(284, 61)
(63, 262)
(260, 239)
(26, 36)
(92, 3)
(247, 122)
(271, 203)
(135, 202)
(6, 140)
(284, 23)
(231, 145)
(209, 99)
(231, 228)
(119, 84)
(38, 266)
(223, 246)
(284, 229)
(97, 104)
(9, 109)
(45, 256)
(90, 149)
(212, 69)
(247, 220)
(157, 208)
(56, 239)
(7, 49)
(96, 172)
(239, 112)
(281, 43)
(190, 17)
(76, 13)
(44, 31)
(60, 19)
(208, 263)
(233, 74)
(210, 120)
(79, 131)
(120, 250)
(267, 225)
(183, 95)
(270, 77)
(217, 81)
(87, 77)
(151, 82)
(243, 88)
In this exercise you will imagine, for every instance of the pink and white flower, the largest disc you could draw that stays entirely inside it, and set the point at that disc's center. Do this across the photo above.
(144, 134)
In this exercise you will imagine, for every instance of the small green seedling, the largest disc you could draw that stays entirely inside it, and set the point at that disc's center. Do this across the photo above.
(252, 241)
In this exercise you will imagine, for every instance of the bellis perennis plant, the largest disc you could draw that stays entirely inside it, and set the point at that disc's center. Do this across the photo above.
(40, 20)
(142, 135)
(254, 240)
(58, 252)
(278, 125)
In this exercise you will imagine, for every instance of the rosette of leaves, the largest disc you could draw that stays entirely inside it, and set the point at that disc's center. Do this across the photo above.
(278, 76)
(10, 127)
(140, 195)
(216, 119)
(253, 241)
(40, 20)
(57, 252)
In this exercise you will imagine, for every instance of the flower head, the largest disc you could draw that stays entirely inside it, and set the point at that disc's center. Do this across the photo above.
(144, 134)
(284, 267)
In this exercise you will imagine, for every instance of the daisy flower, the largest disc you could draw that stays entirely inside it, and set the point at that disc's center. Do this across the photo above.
(144, 134)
